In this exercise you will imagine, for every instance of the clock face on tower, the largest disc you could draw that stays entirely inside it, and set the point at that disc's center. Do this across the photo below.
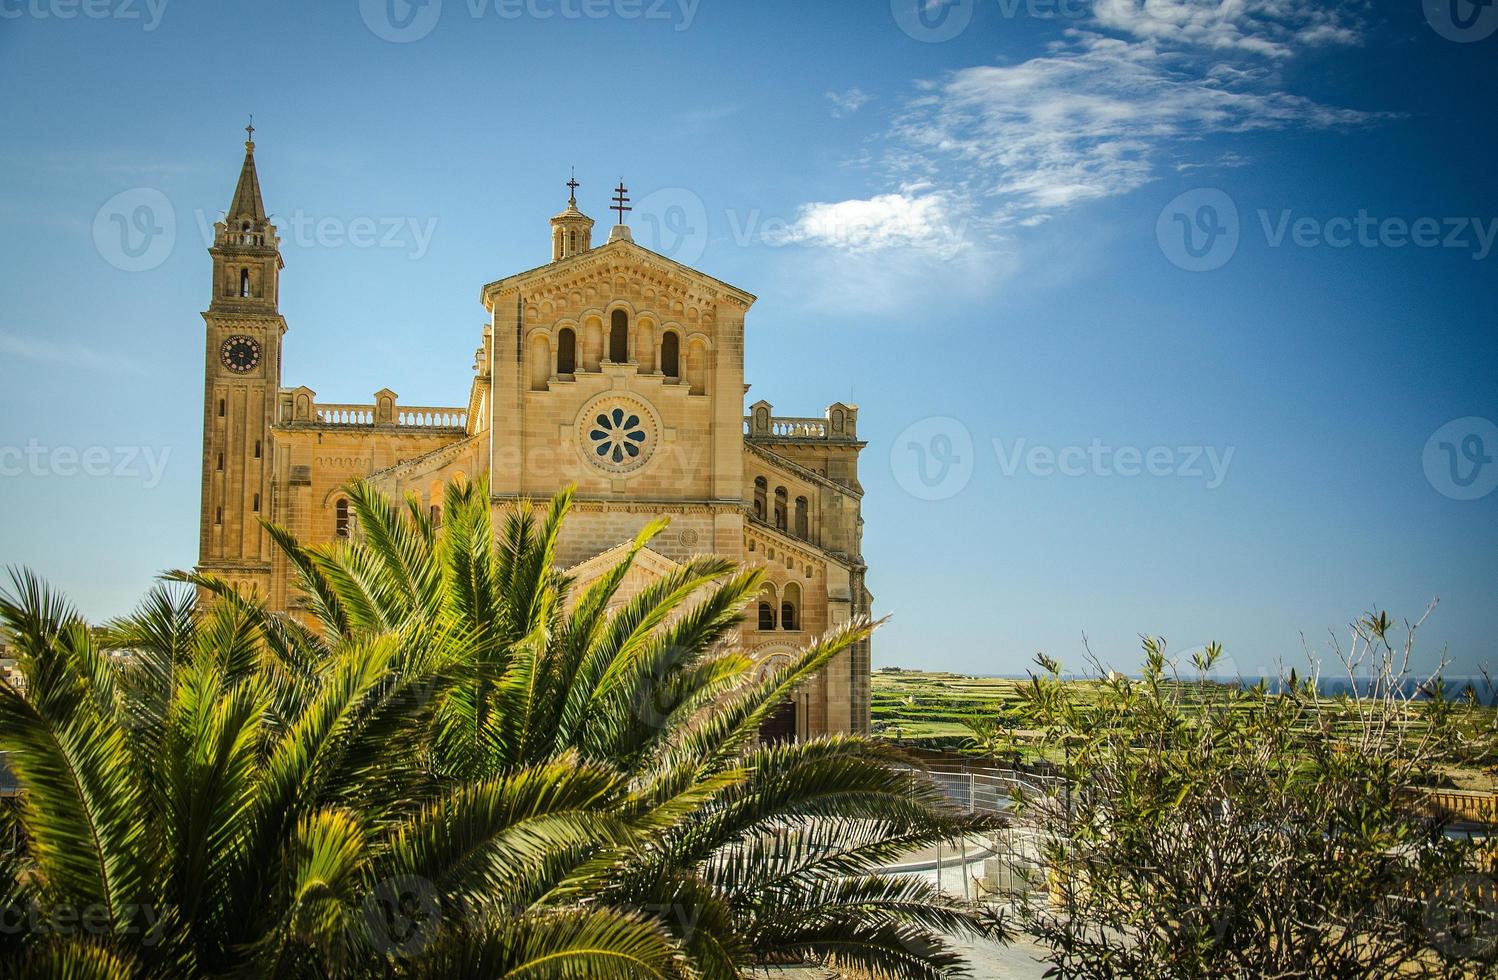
(240, 354)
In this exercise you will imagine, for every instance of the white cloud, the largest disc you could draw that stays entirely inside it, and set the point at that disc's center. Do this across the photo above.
(849, 102)
(1093, 118)
(915, 217)
(1272, 28)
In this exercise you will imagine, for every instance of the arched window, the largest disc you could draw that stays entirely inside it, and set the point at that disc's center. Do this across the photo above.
(436, 516)
(340, 518)
(257, 448)
(780, 498)
(566, 351)
(766, 616)
(790, 607)
(218, 516)
(220, 462)
(761, 489)
(801, 522)
(256, 508)
(244, 282)
(619, 337)
(671, 355)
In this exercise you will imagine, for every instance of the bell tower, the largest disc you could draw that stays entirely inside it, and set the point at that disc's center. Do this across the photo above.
(242, 379)
(571, 231)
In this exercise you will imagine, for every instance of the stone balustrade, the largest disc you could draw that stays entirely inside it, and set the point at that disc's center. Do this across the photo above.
(840, 423)
(299, 406)
(405, 416)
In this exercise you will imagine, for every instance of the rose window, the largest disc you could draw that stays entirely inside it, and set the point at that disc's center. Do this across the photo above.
(617, 432)
(617, 436)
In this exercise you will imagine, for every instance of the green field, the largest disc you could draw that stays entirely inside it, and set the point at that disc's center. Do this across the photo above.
(928, 708)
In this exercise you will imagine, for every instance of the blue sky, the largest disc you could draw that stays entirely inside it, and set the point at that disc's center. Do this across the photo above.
(1146, 328)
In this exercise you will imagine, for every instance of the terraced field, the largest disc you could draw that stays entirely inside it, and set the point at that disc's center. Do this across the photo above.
(928, 708)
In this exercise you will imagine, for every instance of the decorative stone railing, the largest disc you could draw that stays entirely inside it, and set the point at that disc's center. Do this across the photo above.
(405, 416)
(840, 422)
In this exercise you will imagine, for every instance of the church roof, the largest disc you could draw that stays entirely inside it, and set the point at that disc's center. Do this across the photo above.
(247, 202)
(614, 245)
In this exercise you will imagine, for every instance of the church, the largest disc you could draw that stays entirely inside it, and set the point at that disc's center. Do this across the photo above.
(611, 368)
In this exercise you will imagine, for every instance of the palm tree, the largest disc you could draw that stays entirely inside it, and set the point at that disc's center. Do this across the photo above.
(455, 767)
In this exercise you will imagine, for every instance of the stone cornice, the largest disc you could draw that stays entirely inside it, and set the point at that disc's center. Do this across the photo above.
(619, 254)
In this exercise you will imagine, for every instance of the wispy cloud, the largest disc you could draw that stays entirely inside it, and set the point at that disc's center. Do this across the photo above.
(66, 354)
(997, 148)
(1094, 118)
(849, 102)
(1272, 28)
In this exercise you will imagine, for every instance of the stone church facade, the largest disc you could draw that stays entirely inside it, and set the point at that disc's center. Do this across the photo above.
(610, 367)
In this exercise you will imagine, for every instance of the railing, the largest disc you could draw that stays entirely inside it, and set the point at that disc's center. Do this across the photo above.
(792, 428)
(407, 417)
(432, 418)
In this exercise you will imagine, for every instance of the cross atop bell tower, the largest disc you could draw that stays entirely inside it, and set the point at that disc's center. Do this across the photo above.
(571, 231)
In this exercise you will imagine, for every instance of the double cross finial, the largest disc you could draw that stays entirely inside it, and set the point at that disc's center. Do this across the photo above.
(621, 200)
(249, 131)
(573, 185)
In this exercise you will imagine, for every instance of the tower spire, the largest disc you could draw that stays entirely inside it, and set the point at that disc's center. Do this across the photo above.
(247, 203)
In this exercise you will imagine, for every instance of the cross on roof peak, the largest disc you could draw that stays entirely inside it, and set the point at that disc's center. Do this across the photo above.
(621, 200)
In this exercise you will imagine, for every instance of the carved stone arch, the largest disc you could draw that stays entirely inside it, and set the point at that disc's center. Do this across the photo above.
(698, 359)
(770, 656)
(644, 342)
(767, 607)
(539, 355)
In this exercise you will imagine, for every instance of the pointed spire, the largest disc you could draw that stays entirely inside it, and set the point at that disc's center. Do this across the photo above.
(247, 203)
